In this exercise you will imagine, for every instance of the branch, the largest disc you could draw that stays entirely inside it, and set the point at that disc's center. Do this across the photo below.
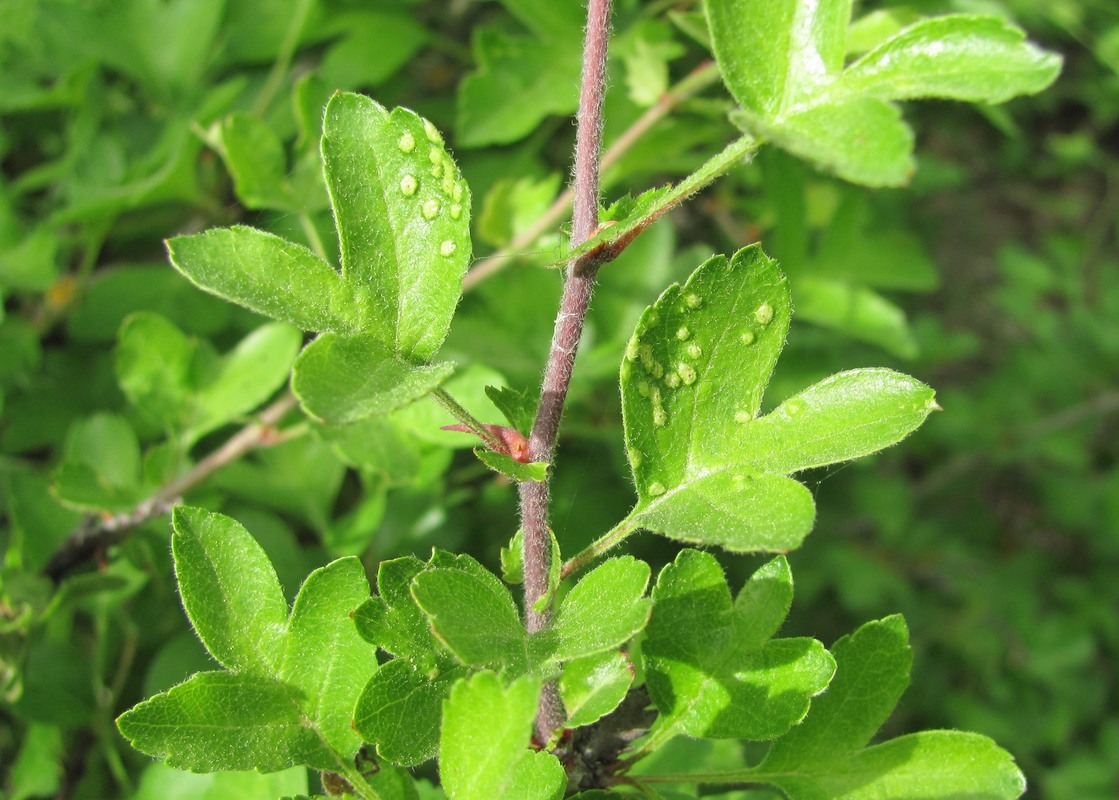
(97, 533)
(576, 299)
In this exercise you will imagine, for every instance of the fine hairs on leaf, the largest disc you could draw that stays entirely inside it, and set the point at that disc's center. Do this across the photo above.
(574, 684)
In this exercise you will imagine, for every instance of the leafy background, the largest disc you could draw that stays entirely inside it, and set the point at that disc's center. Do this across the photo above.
(993, 277)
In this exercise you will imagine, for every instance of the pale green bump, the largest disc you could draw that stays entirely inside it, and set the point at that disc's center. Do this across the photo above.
(748, 337)
(687, 373)
(430, 209)
(456, 211)
(656, 489)
(409, 185)
(406, 143)
(794, 408)
(643, 388)
(694, 350)
(683, 333)
(660, 418)
(432, 133)
(764, 314)
(742, 417)
(693, 300)
(447, 248)
(672, 380)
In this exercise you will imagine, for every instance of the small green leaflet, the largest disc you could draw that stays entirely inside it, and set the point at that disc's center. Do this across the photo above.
(473, 615)
(826, 757)
(286, 699)
(100, 468)
(521, 79)
(783, 61)
(343, 379)
(403, 215)
(400, 708)
(711, 665)
(511, 468)
(708, 469)
(484, 748)
(603, 611)
(402, 211)
(593, 686)
(220, 721)
(184, 386)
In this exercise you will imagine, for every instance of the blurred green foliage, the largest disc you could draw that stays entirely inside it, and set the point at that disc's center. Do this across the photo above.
(994, 277)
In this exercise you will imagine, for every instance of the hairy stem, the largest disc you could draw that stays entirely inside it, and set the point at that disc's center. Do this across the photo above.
(97, 533)
(576, 299)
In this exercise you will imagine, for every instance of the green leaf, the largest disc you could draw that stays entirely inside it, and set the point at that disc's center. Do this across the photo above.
(513, 563)
(959, 57)
(876, 655)
(37, 770)
(403, 216)
(592, 687)
(518, 408)
(184, 386)
(519, 81)
(229, 590)
(401, 708)
(255, 158)
(857, 311)
(773, 54)
(154, 362)
(270, 275)
(100, 467)
(391, 620)
(602, 612)
(160, 782)
(224, 721)
(783, 63)
(843, 417)
(483, 748)
(860, 139)
(511, 468)
(707, 468)
(734, 510)
(343, 379)
(712, 668)
(115, 293)
(324, 657)
(473, 614)
(38, 523)
(30, 263)
(375, 45)
(700, 357)
(823, 757)
(247, 376)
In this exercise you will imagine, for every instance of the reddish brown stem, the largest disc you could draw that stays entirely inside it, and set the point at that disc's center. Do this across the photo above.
(577, 291)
